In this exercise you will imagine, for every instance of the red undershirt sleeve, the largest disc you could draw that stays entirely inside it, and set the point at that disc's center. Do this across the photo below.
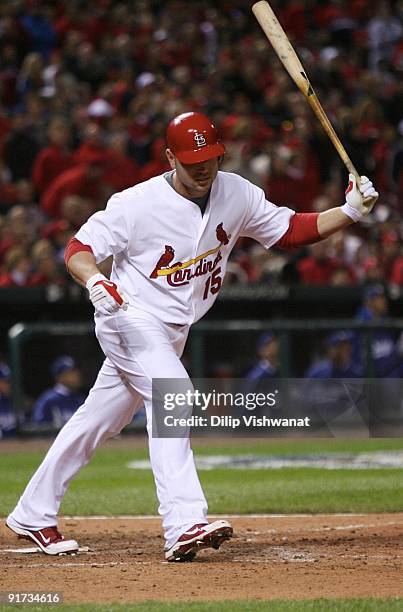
(75, 246)
(303, 229)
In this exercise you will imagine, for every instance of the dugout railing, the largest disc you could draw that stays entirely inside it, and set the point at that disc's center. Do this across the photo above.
(203, 335)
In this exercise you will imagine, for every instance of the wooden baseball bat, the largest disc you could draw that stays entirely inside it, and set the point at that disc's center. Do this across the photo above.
(282, 46)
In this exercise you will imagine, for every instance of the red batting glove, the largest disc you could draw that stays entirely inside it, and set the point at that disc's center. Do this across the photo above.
(105, 295)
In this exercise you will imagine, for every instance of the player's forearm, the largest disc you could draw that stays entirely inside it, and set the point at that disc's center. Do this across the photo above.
(82, 266)
(80, 261)
(104, 294)
(331, 221)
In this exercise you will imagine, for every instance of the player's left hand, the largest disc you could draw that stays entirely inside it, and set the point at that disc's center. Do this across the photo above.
(360, 199)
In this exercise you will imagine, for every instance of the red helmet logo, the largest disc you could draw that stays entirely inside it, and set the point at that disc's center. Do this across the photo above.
(192, 138)
(200, 140)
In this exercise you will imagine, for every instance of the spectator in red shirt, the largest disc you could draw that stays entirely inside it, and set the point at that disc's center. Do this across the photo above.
(319, 268)
(92, 144)
(17, 268)
(46, 269)
(390, 247)
(59, 232)
(76, 210)
(83, 180)
(396, 277)
(294, 178)
(18, 230)
(55, 158)
(121, 171)
(372, 269)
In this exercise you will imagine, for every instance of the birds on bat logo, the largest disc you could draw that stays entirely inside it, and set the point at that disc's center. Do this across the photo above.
(164, 266)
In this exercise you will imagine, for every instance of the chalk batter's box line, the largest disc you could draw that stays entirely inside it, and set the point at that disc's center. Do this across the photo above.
(252, 560)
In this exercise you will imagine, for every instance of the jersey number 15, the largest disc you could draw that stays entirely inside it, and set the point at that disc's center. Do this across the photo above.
(213, 284)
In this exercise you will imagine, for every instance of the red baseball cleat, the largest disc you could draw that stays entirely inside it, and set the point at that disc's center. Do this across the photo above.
(203, 535)
(48, 539)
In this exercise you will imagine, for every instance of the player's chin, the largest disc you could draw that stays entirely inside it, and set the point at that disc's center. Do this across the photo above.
(202, 184)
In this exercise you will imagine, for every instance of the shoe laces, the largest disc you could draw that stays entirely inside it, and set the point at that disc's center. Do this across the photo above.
(196, 527)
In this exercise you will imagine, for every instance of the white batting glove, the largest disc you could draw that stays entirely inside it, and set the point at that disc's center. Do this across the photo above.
(360, 199)
(105, 295)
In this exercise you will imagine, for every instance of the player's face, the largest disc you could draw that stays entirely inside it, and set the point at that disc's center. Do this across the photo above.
(193, 180)
(342, 353)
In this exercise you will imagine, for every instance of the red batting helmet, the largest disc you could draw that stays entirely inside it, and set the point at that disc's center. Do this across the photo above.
(192, 138)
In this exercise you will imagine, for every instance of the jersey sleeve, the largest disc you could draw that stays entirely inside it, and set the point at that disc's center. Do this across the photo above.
(264, 221)
(106, 232)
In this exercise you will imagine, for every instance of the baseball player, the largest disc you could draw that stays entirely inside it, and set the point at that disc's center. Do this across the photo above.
(55, 406)
(170, 238)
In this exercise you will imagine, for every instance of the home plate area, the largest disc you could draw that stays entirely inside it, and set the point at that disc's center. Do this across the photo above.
(270, 556)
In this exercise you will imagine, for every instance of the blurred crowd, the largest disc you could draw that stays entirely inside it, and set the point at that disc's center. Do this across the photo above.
(86, 90)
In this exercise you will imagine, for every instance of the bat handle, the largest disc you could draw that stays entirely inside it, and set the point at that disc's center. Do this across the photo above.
(327, 126)
(352, 170)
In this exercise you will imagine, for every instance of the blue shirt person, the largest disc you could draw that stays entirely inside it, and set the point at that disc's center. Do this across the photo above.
(339, 362)
(56, 405)
(334, 398)
(386, 360)
(267, 350)
(8, 419)
(260, 378)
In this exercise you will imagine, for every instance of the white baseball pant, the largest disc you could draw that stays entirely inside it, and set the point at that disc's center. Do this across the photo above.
(138, 348)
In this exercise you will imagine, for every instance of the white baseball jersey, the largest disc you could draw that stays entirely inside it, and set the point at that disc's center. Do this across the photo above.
(168, 258)
(170, 261)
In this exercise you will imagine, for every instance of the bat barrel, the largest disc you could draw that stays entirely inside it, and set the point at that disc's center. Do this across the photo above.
(290, 60)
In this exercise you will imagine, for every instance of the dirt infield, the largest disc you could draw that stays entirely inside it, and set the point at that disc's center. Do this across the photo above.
(291, 557)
